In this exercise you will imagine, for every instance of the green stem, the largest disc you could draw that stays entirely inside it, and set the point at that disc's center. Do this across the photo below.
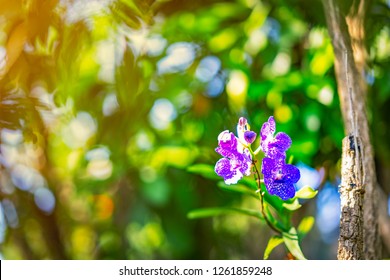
(261, 195)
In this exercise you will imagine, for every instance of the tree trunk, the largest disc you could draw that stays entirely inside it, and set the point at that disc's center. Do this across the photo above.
(351, 194)
(352, 91)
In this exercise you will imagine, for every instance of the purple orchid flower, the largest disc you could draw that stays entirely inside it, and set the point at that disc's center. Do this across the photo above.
(237, 159)
(279, 177)
(274, 147)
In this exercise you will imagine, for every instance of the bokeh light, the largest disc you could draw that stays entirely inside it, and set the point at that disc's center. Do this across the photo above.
(208, 68)
(79, 130)
(10, 213)
(328, 213)
(44, 199)
(26, 178)
(99, 164)
(3, 225)
(110, 104)
(162, 113)
(179, 57)
(309, 176)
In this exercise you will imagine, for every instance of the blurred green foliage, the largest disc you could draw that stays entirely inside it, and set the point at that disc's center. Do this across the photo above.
(104, 105)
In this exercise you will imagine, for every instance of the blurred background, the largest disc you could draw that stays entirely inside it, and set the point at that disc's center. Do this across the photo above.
(105, 104)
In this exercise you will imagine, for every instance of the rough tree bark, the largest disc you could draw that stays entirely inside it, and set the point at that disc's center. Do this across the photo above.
(352, 195)
(353, 107)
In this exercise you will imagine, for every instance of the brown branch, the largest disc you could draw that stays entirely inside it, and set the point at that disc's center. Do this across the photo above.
(354, 117)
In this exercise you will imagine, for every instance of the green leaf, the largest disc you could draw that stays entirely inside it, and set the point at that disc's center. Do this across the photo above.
(290, 160)
(275, 201)
(305, 225)
(249, 182)
(292, 243)
(204, 170)
(238, 189)
(271, 218)
(217, 211)
(273, 242)
(294, 205)
(128, 78)
(306, 193)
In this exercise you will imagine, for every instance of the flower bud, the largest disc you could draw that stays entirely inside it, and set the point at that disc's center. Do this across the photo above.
(250, 136)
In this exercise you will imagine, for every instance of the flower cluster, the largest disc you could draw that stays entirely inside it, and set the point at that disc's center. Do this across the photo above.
(279, 177)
